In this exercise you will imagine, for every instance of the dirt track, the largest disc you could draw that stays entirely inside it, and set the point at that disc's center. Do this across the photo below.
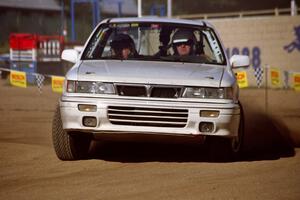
(29, 169)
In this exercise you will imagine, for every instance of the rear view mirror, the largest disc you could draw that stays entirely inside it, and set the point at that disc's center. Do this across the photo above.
(70, 55)
(237, 61)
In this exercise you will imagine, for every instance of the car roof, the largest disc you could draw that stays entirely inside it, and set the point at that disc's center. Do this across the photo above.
(157, 20)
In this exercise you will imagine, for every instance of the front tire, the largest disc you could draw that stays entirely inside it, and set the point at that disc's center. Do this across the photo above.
(237, 142)
(68, 145)
(227, 149)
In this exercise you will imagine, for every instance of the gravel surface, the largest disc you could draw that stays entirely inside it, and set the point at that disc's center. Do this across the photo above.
(29, 168)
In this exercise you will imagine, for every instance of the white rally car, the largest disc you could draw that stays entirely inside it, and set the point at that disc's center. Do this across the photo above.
(131, 79)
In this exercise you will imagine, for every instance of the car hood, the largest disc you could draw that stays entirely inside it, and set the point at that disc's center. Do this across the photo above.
(145, 72)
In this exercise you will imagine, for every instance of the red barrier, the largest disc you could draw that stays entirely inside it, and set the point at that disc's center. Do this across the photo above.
(22, 41)
(33, 47)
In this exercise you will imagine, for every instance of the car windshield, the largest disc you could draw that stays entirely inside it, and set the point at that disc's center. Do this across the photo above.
(155, 42)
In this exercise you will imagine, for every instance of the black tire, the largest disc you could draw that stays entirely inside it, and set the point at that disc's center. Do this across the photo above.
(68, 145)
(227, 149)
(236, 144)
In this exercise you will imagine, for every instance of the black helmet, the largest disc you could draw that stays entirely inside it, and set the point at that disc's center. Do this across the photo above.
(121, 41)
(184, 36)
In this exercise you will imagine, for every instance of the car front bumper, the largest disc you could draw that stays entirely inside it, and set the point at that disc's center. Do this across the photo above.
(226, 124)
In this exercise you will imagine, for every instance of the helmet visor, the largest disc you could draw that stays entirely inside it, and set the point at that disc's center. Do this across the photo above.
(179, 42)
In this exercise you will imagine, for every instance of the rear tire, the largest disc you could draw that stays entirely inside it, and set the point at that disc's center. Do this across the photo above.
(68, 145)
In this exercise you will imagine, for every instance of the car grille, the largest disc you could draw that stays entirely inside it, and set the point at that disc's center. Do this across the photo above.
(129, 90)
(155, 117)
(149, 91)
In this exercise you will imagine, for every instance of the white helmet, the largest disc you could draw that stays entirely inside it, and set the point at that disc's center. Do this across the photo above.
(184, 36)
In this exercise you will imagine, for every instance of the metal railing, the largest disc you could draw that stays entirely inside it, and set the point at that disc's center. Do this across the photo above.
(269, 12)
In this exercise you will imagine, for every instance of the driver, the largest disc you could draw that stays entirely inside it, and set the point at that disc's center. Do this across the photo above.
(123, 47)
(183, 42)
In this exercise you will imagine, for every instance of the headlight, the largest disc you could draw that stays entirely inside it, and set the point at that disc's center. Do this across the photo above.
(208, 93)
(71, 86)
(90, 87)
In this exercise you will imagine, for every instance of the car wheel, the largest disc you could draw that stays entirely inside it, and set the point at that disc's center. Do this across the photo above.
(227, 149)
(68, 145)
(237, 142)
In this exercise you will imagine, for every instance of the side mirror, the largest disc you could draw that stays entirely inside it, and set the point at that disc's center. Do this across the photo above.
(70, 55)
(237, 61)
(79, 48)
